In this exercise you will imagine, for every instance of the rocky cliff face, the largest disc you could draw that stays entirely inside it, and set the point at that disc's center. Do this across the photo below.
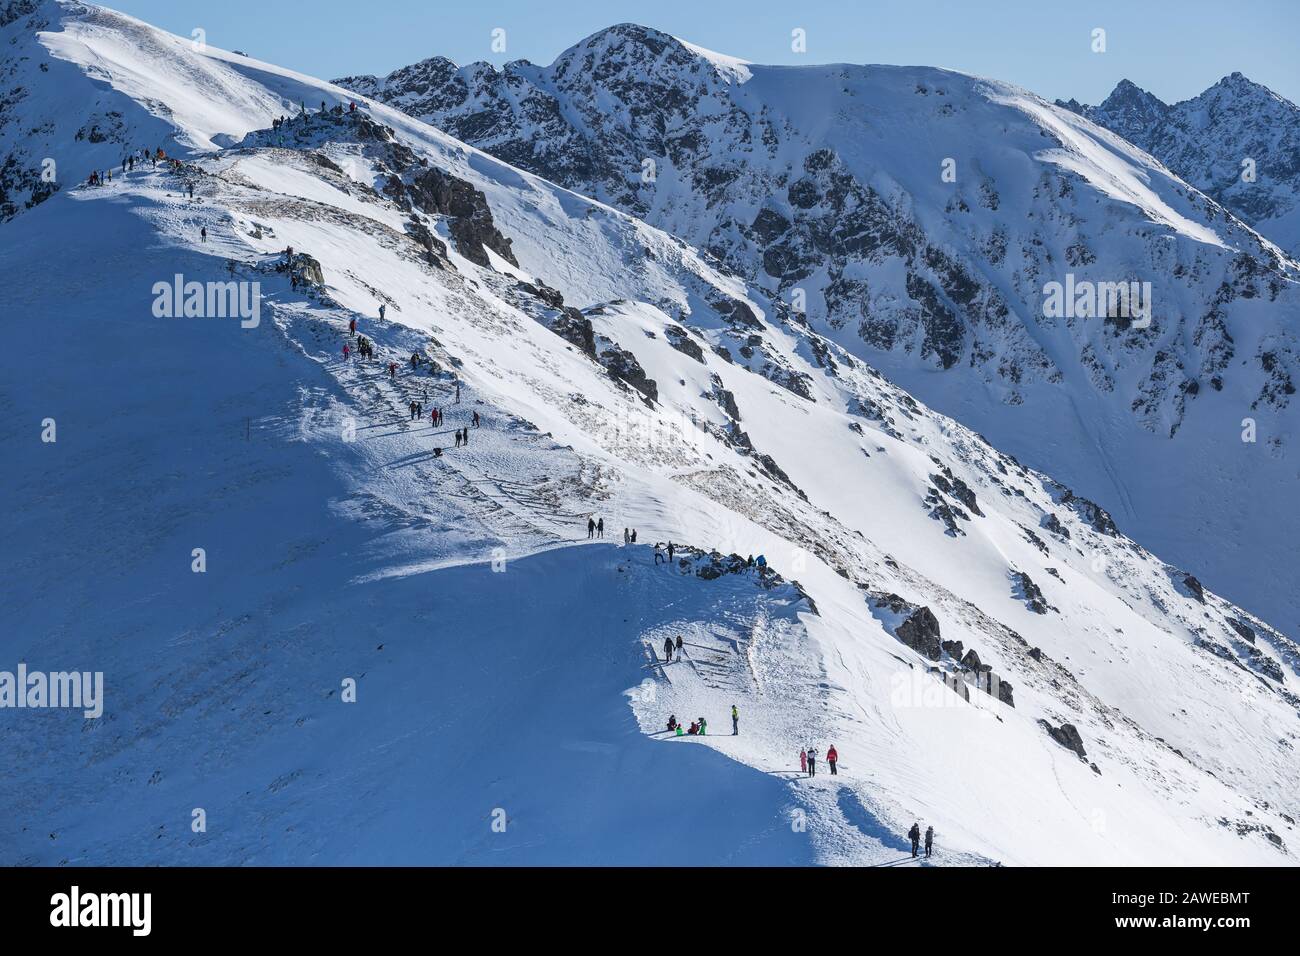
(814, 183)
(1085, 308)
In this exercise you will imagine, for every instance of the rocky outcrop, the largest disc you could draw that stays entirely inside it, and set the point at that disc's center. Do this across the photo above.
(471, 224)
(918, 627)
(1067, 735)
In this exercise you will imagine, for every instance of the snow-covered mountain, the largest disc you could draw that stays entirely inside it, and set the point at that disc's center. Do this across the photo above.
(242, 528)
(1238, 141)
(919, 218)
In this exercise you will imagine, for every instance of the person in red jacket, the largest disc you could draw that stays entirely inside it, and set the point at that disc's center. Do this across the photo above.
(803, 761)
(831, 757)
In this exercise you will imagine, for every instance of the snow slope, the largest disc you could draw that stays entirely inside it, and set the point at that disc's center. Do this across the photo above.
(502, 661)
(917, 216)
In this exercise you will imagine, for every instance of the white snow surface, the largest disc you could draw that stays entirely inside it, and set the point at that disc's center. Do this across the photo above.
(505, 665)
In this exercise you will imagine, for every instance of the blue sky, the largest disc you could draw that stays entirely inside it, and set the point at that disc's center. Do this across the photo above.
(1174, 48)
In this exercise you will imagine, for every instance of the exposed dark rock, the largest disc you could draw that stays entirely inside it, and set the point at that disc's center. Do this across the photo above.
(681, 340)
(920, 632)
(1067, 735)
(1244, 630)
(1030, 593)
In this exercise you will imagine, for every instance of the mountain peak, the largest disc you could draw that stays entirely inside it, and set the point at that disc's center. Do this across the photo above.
(650, 48)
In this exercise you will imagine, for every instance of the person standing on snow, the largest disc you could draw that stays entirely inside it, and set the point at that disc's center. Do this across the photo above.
(803, 761)
(832, 758)
(476, 420)
(382, 310)
(812, 761)
(347, 352)
(914, 835)
(626, 539)
(203, 233)
(600, 528)
(679, 645)
(670, 552)
(668, 648)
(658, 553)
(703, 725)
(352, 326)
(634, 535)
(735, 721)
(591, 528)
(929, 841)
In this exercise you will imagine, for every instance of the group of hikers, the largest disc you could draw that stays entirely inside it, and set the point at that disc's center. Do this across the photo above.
(366, 349)
(914, 835)
(808, 760)
(629, 537)
(595, 529)
(659, 552)
(337, 110)
(99, 177)
(700, 727)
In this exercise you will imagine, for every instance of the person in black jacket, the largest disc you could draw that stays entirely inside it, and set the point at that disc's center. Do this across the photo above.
(915, 835)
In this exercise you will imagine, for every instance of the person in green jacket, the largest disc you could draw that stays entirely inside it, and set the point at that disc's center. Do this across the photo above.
(735, 721)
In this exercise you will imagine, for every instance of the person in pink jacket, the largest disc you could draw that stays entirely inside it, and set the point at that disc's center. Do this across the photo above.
(803, 761)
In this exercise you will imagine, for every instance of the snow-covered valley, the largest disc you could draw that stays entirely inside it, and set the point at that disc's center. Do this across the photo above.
(935, 609)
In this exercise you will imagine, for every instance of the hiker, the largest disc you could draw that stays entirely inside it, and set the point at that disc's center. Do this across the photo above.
(831, 758)
(191, 190)
(600, 528)
(695, 729)
(914, 835)
(347, 352)
(382, 310)
(679, 645)
(703, 725)
(352, 108)
(762, 565)
(415, 360)
(658, 554)
(464, 436)
(670, 552)
(929, 841)
(749, 562)
(392, 371)
(668, 648)
(352, 326)
(803, 761)
(476, 420)
(412, 409)
(812, 761)
(626, 538)
(735, 721)
(203, 233)
(591, 528)
(457, 437)
(437, 453)
(672, 721)
(634, 535)
(458, 393)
